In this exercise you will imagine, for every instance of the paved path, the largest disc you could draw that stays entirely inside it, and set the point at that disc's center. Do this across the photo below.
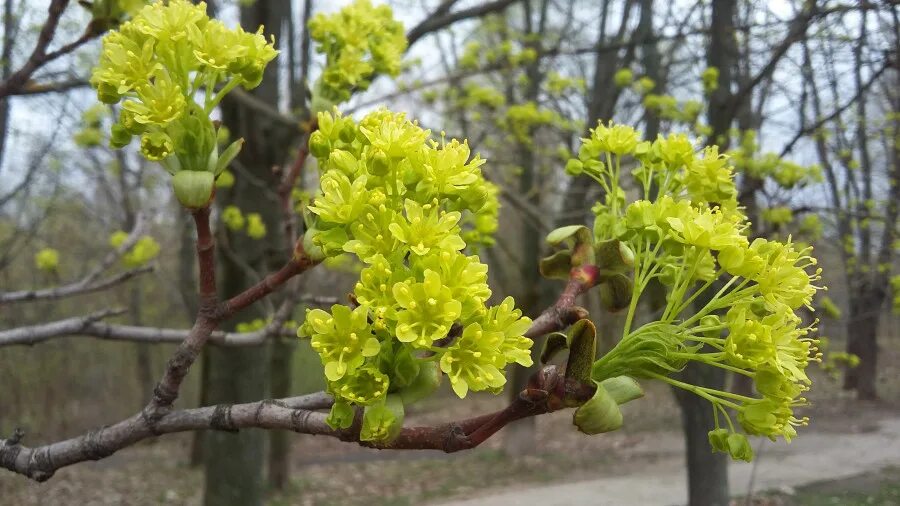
(814, 456)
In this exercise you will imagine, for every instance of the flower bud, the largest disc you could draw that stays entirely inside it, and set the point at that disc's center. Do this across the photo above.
(718, 440)
(739, 447)
(574, 167)
(119, 137)
(341, 416)
(108, 93)
(380, 163)
(382, 421)
(319, 145)
(347, 133)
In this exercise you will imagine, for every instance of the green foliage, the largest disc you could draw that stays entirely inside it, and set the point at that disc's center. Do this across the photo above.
(47, 260)
(359, 42)
(747, 158)
(256, 227)
(710, 79)
(145, 249)
(623, 77)
(778, 215)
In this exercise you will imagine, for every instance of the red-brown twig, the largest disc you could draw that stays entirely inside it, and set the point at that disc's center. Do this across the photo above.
(290, 180)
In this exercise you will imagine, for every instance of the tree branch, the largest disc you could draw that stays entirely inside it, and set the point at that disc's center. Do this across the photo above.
(836, 113)
(548, 390)
(39, 56)
(441, 18)
(90, 326)
(73, 289)
(89, 282)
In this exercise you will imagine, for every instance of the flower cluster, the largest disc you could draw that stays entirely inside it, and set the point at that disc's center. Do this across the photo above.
(158, 62)
(406, 206)
(144, 249)
(787, 174)
(688, 233)
(359, 42)
(47, 260)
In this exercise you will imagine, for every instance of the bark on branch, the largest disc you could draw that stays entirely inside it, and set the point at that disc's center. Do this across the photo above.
(548, 390)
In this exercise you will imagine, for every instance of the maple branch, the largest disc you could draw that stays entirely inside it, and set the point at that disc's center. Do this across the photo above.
(548, 390)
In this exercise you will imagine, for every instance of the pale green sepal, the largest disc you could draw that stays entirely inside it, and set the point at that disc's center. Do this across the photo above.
(228, 155)
(598, 415)
(557, 265)
(623, 389)
(194, 189)
(576, 232)
(423, 385)
(553, 344)
(341, 416)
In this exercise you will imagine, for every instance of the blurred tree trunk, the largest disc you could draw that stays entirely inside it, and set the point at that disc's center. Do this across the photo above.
(869, 289)
(862, 337)
(601, 103)
(284, 350)
(235, 461)
(282, 364)
(708, 471)
(9, 23)
(520, 436)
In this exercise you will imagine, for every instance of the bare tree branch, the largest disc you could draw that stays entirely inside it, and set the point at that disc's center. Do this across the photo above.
(442, 18)
(548, 391)
(90, 326)
(89, 282)
(73, 289)
(820, 122)
(39, 56)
